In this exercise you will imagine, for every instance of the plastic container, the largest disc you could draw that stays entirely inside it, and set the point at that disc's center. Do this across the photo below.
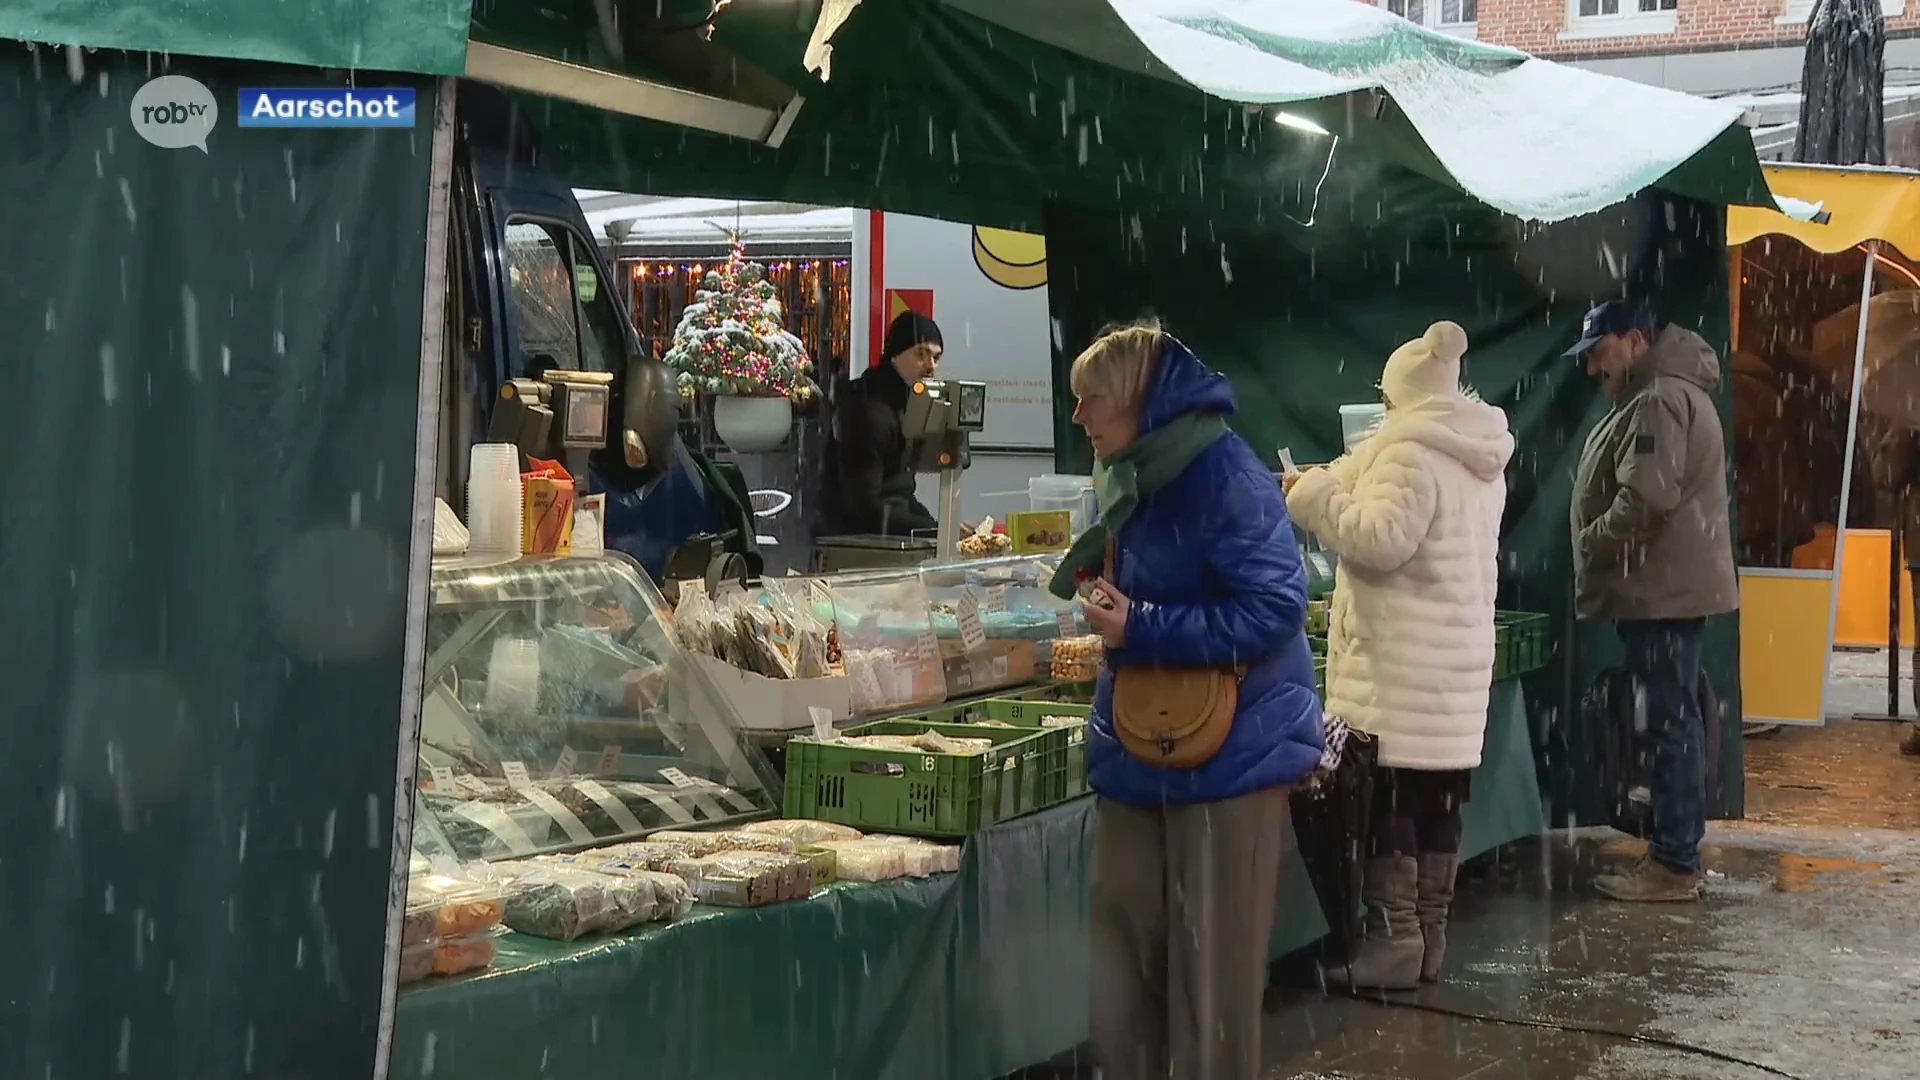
(444, 906)
(448, 956)
(922, 793)
(1358, 421)
(1058, 491)
(1519, 643)
(1070, 716)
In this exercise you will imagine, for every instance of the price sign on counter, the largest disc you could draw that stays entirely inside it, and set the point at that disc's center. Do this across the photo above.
(1066, 623)
(675, 777)
(569, 757)
(609, 761)
(929, 647)
(516, 774)
(440, 780)
(996, 598)
(973, 636)
(472, 784)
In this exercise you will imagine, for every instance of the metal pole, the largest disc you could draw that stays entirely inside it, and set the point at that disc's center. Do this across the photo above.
(1895, 543)
(1893, 535)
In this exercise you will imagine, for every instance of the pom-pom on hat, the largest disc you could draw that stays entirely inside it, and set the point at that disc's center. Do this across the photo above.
(1426, 367)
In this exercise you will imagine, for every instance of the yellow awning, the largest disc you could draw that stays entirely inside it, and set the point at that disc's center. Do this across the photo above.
(1863, 204)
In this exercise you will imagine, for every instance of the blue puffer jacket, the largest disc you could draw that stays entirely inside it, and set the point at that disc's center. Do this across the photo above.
(1210, 565)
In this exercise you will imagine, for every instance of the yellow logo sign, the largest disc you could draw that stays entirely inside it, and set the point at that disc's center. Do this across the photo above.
(1014, 260)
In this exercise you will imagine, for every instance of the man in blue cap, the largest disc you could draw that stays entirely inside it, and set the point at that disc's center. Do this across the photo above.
(1653, 553)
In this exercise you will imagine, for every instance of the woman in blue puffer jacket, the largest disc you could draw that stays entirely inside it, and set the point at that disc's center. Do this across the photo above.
(1206, 575)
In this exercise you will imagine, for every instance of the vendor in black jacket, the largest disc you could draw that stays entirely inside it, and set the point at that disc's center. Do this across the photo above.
(867, 474)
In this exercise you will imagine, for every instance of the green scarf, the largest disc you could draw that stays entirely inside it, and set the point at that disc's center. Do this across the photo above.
(1136, 471)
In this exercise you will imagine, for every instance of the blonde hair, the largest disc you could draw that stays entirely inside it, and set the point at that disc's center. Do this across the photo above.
(1119, 364)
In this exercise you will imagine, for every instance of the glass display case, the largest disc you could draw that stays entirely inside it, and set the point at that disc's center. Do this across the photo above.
(995, 620)
(558, 712)
(885, 637)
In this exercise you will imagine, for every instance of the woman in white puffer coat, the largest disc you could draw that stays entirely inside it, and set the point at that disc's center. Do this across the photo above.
(1414, 515)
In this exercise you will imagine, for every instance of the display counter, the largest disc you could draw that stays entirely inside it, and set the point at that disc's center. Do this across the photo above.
(964, 976)
(553, 716)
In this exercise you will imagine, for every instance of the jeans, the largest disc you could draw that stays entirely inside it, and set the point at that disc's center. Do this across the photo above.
(1664, 658)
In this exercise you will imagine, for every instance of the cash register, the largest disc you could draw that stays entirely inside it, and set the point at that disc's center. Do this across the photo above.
(940, 420)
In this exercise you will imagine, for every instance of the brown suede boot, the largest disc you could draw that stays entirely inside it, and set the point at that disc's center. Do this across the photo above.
(1391, 953)
(1650, 882)
(1437, 871)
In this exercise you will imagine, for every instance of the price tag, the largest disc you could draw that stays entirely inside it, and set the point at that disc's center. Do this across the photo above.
(929, 647)
(569, 757)
(996, 598)
(609, 762)
(473, 784)
(969, 603)
(1066, 623)
(516, 774)
(973, 636)
(999, 666)
(675, 777)
(440, 780)
(963, 678)
(822, 722)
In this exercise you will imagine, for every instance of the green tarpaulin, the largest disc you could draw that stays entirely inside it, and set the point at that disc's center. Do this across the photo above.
(213, 365)
(964, 976)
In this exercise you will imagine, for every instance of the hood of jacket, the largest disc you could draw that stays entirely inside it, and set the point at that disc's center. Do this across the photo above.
(1461, 427)
(1182, 384)
(1681, 353)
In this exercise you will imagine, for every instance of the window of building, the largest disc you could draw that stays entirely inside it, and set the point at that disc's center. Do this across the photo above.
(1451, 16)
(1798, 11)
(1620, 18)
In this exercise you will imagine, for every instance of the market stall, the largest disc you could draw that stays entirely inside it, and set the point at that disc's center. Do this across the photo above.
(239, 383)
(1823, 337)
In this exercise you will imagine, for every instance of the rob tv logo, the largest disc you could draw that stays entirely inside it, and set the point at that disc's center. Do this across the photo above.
(174, 111)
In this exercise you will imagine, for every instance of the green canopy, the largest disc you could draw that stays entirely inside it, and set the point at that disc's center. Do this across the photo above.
(985, 108)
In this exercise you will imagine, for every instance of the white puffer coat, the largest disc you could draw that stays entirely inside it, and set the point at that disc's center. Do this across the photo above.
(1414, 516)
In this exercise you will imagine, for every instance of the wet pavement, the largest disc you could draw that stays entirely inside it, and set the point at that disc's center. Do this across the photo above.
(1802, 959)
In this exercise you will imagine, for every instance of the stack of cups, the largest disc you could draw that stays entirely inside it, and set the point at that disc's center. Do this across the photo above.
(493, 498)
(513, 676)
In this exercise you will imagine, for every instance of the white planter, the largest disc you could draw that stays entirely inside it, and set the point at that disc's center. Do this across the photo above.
(753, 425)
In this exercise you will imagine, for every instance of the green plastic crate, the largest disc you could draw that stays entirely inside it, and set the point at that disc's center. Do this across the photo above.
(925, 794)
(1320, 675)
(1317, 617)
(1519, 643)
(1029, 714)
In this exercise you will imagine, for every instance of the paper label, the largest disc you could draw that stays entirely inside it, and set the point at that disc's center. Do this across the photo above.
(1065, 624)
(903, 682)
(440, 780)
(609, 762)
(495, 821)
(969, 604)
(575, 829)
(516, 774)
(569, 759)
(973, 636)
(996, 598)
(617, 810)
(822, 722)
(963, 678)
(999, 665)
(675, 777)
(663, 802)
(929, 646)
(469, 782)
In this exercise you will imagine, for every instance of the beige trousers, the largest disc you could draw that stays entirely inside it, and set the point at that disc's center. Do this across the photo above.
(1182, 907)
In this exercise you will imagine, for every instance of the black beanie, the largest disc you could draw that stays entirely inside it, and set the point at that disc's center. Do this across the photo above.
(909, 329)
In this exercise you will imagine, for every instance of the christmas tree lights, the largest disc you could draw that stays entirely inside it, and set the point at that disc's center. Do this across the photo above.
(733, 338)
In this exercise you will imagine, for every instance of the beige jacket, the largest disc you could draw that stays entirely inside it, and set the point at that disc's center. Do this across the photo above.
(1650, 532)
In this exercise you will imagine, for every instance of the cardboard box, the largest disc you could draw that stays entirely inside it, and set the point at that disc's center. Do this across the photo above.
(547, 510)
(765, 704)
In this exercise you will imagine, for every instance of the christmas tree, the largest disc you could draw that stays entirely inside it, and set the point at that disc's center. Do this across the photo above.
(733, 339)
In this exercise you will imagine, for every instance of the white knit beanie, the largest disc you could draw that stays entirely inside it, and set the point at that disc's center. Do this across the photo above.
(1426, 367)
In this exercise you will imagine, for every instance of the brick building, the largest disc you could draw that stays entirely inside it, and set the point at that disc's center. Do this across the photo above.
(1749, 51)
